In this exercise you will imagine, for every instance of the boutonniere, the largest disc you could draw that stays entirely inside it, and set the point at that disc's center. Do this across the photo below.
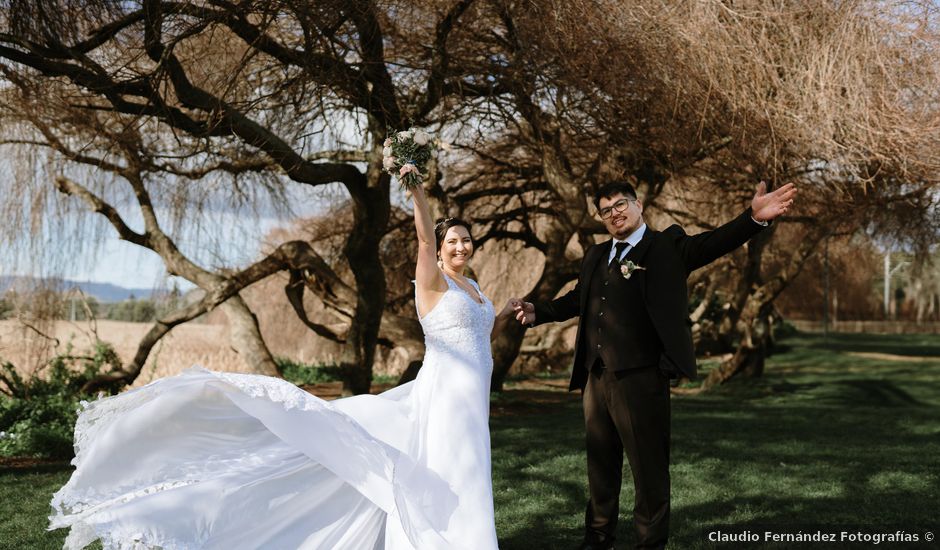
(627, 268)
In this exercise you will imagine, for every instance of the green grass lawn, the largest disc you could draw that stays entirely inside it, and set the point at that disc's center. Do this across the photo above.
(839, 434)
(827, 438)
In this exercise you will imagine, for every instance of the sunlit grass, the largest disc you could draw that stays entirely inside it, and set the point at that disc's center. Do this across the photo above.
(827, 439)
(24, 506)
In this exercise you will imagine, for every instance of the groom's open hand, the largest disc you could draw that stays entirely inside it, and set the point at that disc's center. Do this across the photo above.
(767, 206)
(525, 311)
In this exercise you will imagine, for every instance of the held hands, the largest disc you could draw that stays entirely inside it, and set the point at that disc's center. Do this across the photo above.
(525, 311)
(767, 206)
(508, 310)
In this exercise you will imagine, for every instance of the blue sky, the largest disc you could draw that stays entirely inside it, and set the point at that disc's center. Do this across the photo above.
(125, 264)
(228, 238)
(231, 237)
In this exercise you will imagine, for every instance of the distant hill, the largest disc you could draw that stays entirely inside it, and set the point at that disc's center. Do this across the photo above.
(103, 292)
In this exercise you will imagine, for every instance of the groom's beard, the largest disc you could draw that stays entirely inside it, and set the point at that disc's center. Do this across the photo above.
(626, 229)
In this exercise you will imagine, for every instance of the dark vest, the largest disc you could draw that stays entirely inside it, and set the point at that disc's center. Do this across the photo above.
(615, 318)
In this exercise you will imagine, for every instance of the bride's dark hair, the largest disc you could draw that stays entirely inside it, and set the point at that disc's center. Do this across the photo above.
(440, 229)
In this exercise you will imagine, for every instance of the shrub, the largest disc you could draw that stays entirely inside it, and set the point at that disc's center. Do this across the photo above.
(132, 310)
(6, 308)
(784, 329)
(301, 374)
(37, 415)
(38, 427)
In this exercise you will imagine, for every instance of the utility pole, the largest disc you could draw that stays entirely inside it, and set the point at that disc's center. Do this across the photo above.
(888, 273)
(887, 296)
(826, 289)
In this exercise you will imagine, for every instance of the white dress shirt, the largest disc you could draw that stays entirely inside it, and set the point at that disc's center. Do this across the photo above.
(632, 240)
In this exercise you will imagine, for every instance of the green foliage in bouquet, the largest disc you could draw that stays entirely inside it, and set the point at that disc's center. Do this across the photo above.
(406, 155)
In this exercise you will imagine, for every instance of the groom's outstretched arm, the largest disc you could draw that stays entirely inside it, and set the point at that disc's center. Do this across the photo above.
(704, 248)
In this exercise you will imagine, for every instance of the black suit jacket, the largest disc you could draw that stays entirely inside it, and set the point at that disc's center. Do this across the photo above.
(669, 257)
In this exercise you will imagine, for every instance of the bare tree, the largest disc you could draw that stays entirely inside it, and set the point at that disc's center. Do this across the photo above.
(559, 96)
(260, 82)
(126, 156)
(721, 96)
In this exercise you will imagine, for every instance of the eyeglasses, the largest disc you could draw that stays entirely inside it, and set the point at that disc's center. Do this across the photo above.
(619, 206)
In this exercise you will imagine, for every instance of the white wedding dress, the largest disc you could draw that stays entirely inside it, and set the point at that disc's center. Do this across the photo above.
(233, 461)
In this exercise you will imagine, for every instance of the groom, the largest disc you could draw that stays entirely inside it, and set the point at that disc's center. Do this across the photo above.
(633, 335)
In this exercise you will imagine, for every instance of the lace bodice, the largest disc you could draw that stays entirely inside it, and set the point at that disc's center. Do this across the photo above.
(460, 325)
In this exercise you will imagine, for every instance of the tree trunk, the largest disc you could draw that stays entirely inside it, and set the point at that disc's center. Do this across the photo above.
(749, 358)
(410, 372)
(246, 337)
(755, 307)
(505, 350)
(557, 272)
(749, 317)
(371, 211)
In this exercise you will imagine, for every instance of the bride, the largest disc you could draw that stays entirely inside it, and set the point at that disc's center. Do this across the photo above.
(218, 460)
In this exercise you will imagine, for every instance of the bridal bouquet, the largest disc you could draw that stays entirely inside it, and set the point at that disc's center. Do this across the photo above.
(406, 155)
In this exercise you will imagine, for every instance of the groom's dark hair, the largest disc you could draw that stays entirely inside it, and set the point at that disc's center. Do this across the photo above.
(443, 225)
(611, 188)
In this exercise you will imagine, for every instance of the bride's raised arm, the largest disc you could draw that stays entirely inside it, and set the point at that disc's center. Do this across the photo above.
(429, 282)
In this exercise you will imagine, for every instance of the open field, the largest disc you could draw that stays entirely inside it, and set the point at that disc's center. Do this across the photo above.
(186, 345)
(839, 435)
(195, 343)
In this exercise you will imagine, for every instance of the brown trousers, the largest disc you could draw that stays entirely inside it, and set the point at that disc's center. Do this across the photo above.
(628, 410)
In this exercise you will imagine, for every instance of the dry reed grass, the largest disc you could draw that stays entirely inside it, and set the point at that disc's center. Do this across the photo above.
(187, 345)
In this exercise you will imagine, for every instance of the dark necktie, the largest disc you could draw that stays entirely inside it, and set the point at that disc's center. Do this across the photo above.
(618, 251)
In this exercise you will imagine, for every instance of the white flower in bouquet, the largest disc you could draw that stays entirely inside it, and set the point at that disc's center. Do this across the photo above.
(421, 137)
(406, 155)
